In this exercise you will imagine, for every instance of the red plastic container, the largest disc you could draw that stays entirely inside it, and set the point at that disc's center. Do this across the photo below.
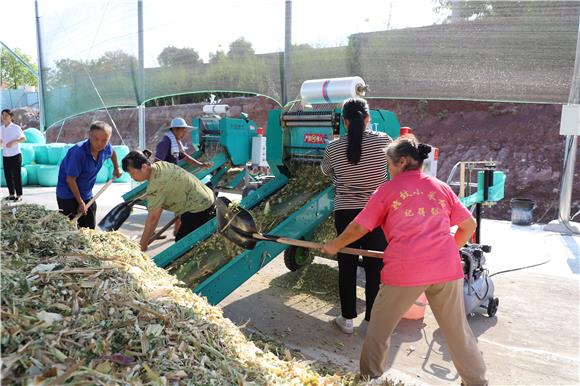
(405, 130)
(417, 310)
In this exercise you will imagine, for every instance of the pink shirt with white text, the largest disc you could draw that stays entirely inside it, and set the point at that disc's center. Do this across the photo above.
(416, 212)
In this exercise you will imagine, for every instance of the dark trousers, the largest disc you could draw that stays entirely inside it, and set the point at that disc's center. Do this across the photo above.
(70, 208)
(190, 221)
(13, 175)
(348, 264)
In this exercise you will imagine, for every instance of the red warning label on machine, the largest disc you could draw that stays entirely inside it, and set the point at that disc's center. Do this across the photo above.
(314, 138)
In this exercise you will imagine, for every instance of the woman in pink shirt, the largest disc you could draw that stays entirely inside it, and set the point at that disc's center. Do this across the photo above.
(416, 211)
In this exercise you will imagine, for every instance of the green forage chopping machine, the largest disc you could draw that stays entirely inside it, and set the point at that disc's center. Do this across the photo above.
(216, 135)
(219, 138)
(296, 136)
(295, 195)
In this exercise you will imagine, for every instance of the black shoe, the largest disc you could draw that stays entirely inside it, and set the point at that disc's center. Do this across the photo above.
(9, 198)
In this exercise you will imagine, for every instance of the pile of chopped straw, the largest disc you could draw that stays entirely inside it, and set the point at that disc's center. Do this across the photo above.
(89, 308)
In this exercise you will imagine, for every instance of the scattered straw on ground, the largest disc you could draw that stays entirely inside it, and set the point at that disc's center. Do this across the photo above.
(319, 280)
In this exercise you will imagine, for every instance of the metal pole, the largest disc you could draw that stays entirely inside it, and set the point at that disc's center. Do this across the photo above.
(562, 223)
(571, 144)
(478, 220)
(567, 178)
(287, 53)
(41, 107)
(141, 95)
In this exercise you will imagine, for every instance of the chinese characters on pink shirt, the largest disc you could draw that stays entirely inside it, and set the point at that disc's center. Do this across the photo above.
(433, 210)
(415, 212)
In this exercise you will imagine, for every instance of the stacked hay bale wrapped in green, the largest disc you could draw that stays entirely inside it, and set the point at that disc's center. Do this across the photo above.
(34, 138)
(84, 307)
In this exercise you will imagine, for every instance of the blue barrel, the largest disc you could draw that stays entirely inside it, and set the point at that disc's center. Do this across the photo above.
(522, 211)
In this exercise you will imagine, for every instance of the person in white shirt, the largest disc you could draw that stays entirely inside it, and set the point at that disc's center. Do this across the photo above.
(11, 136)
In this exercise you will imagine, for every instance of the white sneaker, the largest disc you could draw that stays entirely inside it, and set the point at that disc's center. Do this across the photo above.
(344, 324)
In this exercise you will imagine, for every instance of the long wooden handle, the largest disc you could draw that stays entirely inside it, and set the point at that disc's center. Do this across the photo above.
(313, 245)
(92, 200)
(160, 232)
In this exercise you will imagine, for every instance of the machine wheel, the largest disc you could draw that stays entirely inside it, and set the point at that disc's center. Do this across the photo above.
(249, 189)
(296, 258)
(492, 306)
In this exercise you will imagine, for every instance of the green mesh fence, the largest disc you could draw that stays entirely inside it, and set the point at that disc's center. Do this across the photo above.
(521, 51)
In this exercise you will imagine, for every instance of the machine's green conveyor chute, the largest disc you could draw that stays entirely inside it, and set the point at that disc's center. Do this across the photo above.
(304, 221)
(181, 247)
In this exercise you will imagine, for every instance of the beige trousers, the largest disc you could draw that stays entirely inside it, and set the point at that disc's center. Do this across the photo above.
(446, 301)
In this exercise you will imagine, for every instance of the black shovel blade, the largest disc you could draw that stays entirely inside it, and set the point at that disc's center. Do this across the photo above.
(116, 217)
(236, 224)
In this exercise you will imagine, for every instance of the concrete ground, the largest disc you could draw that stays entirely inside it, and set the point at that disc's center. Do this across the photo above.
(533, 339)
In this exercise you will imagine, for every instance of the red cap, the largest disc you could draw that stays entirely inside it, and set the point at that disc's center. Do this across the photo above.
(260, 131)
(405, 130)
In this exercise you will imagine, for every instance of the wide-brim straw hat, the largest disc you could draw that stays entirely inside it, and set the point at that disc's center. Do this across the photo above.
(178, 123)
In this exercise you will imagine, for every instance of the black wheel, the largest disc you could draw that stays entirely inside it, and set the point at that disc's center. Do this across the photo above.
(296, 258)
(492, 306)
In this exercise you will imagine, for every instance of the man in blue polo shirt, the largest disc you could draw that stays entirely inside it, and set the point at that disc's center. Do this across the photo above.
(78, 173)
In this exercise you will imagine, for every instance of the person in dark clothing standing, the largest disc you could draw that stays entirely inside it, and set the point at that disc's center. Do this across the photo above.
(11, 136)
(358, 166)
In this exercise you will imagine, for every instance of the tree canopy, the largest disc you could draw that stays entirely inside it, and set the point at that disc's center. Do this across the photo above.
(240, 49)
(66, 70)
(13, 73)
(172, 56)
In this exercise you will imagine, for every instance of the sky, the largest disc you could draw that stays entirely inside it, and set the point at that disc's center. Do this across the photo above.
(80, 29)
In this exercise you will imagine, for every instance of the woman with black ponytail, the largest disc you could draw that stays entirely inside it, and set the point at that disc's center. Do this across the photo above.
(416, 212)
(358, 166)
